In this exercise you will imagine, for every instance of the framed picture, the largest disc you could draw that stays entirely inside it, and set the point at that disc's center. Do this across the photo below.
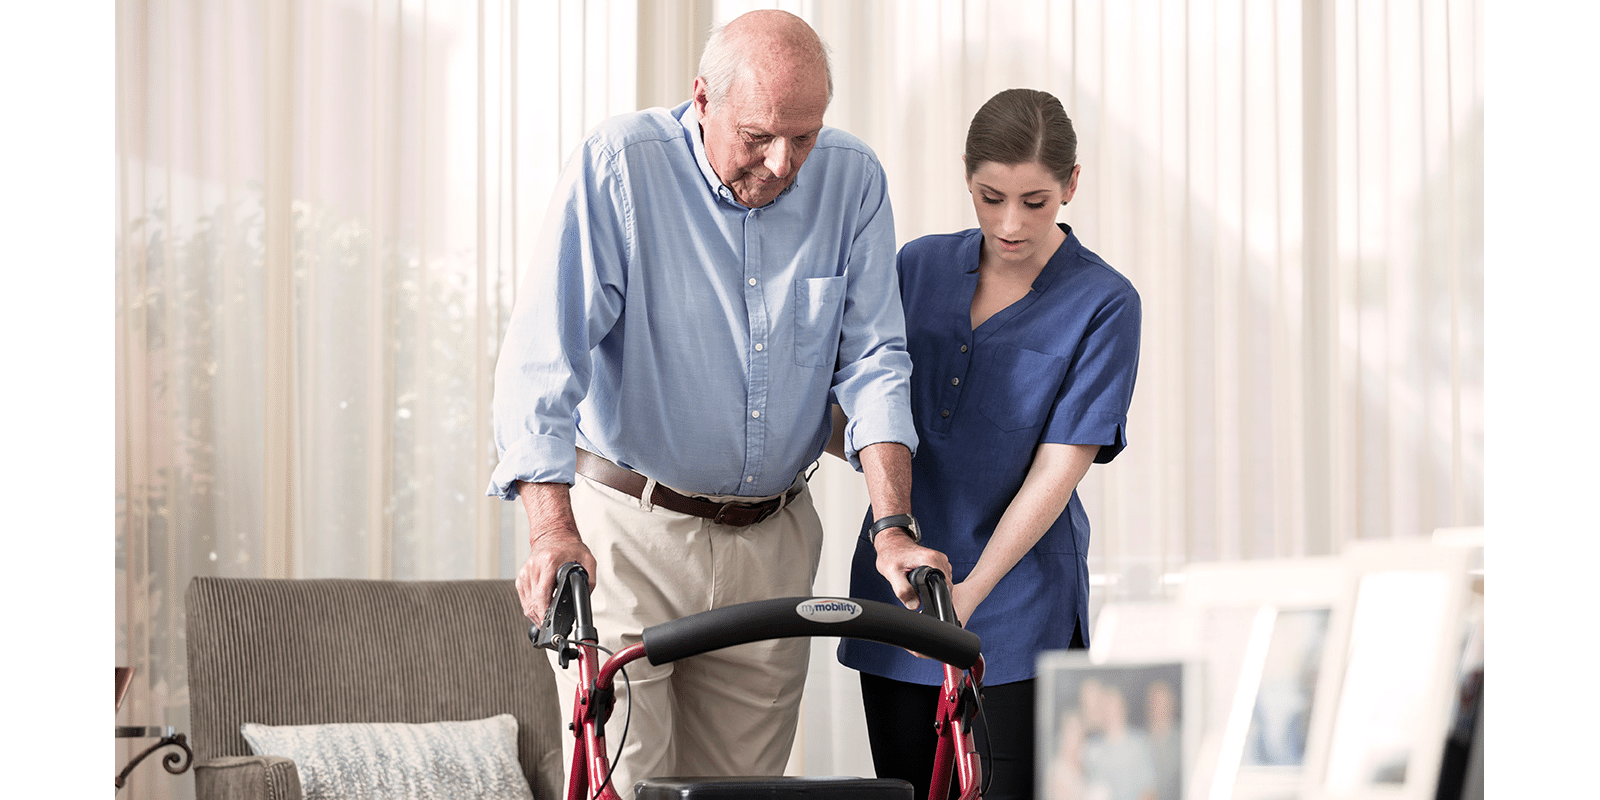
(1149, 630)
(1461, 770)
(1380, 726)
(1115, 731)
(1270, 624)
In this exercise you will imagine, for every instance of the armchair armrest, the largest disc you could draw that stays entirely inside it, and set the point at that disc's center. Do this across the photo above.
(247, 778)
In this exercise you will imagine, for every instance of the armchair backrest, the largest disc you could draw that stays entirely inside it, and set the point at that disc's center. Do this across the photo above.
(300, 652)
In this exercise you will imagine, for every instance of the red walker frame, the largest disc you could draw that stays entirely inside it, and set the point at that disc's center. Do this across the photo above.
(568, 629)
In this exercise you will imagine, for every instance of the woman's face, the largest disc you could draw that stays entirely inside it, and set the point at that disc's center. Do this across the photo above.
(1017, 205)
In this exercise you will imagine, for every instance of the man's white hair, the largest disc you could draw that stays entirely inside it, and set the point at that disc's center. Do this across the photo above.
(721, 60)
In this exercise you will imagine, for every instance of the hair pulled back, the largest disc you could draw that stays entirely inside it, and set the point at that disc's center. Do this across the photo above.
(1018, 126)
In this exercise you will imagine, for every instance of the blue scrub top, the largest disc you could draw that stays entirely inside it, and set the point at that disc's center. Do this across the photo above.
(1057, 366)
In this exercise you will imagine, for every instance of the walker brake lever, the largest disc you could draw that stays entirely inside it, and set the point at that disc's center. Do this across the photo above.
(568, 610)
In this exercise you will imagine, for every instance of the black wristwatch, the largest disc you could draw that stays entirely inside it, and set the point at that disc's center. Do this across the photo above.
(905, 522)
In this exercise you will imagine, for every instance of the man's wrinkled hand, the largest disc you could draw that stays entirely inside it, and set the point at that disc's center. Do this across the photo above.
(536, 582)
(898, 554)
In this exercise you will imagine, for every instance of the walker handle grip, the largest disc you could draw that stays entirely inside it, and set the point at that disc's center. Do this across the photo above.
(789, 617)
(934, 592)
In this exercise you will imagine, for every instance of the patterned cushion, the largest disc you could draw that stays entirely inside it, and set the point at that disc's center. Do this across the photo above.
(391, 760)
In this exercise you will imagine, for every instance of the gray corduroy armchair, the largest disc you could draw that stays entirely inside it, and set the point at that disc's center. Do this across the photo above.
(300, 652)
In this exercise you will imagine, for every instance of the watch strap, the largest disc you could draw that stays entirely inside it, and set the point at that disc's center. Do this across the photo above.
(903, 521)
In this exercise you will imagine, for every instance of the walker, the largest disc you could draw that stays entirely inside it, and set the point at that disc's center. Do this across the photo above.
(568, 629)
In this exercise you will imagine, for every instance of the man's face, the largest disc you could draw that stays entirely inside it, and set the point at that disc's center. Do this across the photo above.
(759, 135)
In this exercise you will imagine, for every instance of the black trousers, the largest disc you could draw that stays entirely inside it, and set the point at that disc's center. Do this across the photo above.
(900, 730)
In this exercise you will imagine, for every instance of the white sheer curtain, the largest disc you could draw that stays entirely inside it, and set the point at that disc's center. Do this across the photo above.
(1296, 189)
(323, 206)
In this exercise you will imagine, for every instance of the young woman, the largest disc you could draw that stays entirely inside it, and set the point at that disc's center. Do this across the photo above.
(1024, 347)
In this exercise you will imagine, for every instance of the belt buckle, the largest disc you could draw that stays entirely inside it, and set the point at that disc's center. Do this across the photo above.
(770, 509)
(735, 514)
(722, 511)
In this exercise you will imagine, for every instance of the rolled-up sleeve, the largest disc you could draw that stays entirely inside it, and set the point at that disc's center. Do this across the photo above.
(872, 379)
(571, 296)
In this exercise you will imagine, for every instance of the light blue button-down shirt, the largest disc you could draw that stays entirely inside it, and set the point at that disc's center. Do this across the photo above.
(669, 328)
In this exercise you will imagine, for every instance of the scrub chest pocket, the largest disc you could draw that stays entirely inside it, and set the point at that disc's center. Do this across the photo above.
(1018, 386)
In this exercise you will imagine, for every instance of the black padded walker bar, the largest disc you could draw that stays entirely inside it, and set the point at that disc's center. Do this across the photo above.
(784, 618)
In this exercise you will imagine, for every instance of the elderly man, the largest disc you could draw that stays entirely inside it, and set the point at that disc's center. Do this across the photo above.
(694, 303)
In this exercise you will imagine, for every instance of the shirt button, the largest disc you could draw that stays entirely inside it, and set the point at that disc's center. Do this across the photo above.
(760, 347)
(750, 479)
(752, 281)
(955, 381)
(963, 348)
(945, 413)
(756, 414)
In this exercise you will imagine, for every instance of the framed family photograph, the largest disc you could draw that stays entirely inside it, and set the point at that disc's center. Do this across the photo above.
(1116, 731)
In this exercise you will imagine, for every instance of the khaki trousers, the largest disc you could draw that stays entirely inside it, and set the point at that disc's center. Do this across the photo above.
(728, 712)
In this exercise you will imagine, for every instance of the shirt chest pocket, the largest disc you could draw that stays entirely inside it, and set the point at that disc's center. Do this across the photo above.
(818, 320)
(1017, 388)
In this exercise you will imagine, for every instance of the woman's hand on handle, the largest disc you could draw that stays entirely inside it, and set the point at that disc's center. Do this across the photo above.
(966, 596)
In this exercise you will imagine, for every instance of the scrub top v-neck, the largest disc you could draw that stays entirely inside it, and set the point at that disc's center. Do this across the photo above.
(1055, 366)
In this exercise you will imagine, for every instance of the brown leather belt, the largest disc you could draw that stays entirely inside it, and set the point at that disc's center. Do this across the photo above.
(628, 482)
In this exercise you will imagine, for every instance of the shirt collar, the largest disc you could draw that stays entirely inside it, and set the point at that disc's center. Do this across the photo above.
(1065, 254)
(689, 118)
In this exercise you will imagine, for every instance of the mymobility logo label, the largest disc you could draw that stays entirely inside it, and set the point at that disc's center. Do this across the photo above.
(828, 609)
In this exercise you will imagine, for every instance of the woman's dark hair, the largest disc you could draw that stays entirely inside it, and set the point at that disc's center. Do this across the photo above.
(1017, 126)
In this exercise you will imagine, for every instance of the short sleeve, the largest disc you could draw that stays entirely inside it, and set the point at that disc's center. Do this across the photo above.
(1092, 406)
